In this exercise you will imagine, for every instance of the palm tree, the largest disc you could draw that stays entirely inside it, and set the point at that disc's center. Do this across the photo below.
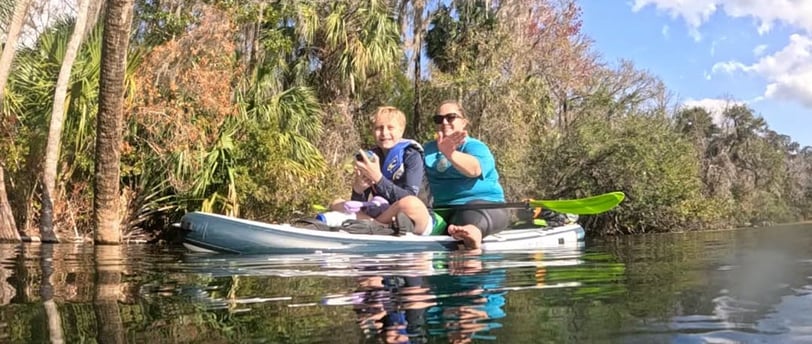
(340, 48)
(280, 117)
(349, 41)
(413, 19)
(55, 130)
(8, 227)
(10, 46)
(29, 98)
(115, 44)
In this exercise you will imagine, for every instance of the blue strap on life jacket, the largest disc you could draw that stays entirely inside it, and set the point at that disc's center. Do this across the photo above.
(393, 164)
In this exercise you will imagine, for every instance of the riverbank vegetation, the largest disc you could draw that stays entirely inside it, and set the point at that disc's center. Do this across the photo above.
(254, 109)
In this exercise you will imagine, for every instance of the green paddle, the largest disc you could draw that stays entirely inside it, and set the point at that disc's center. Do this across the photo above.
(580, 206)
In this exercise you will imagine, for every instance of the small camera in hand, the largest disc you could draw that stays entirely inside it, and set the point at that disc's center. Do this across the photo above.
(370, 156)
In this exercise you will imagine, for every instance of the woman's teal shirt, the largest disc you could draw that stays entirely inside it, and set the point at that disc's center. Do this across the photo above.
(450, 187)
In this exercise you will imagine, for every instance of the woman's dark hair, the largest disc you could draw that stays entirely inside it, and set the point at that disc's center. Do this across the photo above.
(456, 103)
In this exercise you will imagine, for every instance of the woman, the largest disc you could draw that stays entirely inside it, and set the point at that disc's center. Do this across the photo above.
(388, 177)
(461, 170)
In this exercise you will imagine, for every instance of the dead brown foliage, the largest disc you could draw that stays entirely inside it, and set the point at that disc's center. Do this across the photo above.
(185, 87)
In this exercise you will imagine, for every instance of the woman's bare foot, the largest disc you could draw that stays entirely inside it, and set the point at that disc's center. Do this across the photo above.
(470, 235)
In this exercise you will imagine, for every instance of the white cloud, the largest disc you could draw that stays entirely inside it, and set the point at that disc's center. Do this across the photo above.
(796, 13)
(694, 12)
(759, 49)
(728, 67)
(665, 31)
(788, 71)
(716, 106)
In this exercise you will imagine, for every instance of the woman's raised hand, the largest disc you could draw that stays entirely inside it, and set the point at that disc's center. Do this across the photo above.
(448, 144)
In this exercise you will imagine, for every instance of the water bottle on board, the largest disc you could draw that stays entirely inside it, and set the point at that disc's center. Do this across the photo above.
(335, 218)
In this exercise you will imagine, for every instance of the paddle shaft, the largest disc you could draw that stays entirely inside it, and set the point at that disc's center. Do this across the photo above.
(581, 206)
(513, 205)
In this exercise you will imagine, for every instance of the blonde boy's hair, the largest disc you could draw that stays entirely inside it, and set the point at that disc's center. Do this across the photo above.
(390, 113)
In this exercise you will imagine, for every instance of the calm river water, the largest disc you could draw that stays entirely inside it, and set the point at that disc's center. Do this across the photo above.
(743, 286)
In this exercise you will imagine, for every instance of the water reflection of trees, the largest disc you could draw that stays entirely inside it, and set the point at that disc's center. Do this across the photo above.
(581, 297)
(53, 320)
(54, 289)
(98, 295)
(7, 291)
(108, 292)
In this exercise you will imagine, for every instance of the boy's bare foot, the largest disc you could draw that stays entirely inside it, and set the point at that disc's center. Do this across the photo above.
(470, 235)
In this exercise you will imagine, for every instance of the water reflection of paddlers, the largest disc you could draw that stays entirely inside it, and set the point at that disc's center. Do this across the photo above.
(470, 300)
(392, 307)
(461, 303)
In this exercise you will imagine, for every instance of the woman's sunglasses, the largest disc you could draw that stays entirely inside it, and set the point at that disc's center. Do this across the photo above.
(449, 117)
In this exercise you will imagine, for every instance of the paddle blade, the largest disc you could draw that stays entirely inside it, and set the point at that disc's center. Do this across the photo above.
(582, 206)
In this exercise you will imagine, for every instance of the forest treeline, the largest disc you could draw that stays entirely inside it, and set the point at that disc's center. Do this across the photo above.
(254, 108)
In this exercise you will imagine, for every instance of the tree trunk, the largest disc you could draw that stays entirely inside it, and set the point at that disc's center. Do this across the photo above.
(94, 9)
(417, 50)
(49, 173)
(13, 34)
(115, 43)
(8, 227)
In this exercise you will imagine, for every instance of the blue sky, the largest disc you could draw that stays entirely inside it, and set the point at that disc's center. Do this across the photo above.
(711, 52)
